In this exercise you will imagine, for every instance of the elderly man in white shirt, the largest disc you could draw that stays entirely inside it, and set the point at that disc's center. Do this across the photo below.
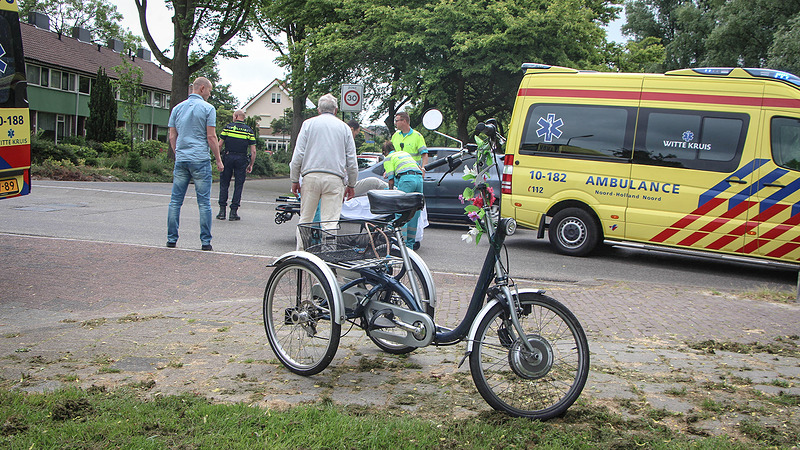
(325, 156)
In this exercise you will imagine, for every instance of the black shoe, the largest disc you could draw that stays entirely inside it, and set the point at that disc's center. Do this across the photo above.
(207, 247)
(233, 215)
(416, 246)
(171, 244)
(221, 215)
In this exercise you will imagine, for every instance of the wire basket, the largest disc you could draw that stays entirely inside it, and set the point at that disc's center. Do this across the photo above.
(346, 240)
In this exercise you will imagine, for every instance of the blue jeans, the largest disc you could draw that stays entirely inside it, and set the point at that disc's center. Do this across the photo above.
(185, 171)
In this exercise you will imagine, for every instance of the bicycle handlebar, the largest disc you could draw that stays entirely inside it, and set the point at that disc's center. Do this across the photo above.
(437, 163)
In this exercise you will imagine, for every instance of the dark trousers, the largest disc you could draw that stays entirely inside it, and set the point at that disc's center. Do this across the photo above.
(236, 166)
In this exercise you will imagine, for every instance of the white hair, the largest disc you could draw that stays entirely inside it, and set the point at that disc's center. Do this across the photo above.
(327, 104)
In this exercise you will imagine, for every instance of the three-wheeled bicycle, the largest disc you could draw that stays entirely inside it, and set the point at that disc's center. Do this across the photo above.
(528, 354)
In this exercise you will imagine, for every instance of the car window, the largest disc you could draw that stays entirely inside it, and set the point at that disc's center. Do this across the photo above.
(785, 139)
(691, 139)
(587, 131)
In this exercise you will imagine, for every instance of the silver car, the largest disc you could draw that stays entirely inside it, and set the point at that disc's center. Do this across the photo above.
(441, 198)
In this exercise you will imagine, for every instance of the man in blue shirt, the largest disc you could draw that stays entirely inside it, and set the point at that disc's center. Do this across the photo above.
(192, 132)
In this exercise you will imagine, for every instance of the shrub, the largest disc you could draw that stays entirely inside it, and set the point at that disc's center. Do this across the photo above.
(150, 149)
(134, 162)
(74, 140)
(263, 166)
(43, 149)
(114, 148)
(123, 135)
(282, 156)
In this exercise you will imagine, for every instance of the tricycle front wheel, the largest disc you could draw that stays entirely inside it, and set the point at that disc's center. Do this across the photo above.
(298, 317)
(541, 384)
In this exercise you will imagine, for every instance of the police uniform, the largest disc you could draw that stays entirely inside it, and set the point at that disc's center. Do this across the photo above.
(401, 167)
(238, 138)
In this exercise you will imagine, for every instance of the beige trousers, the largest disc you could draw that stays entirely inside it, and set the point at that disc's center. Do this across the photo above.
(326, 189)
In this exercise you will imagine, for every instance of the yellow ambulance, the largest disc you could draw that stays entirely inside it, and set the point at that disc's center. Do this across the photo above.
(694, 159)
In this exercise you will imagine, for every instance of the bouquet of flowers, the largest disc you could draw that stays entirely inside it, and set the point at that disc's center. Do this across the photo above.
(475, 203)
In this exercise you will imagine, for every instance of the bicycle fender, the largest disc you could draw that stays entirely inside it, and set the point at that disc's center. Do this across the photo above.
(485, 310)
(330, 277)
(474, 328)
(426, 274)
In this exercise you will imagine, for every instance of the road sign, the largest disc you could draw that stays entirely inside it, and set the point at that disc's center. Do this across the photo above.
(352, 97)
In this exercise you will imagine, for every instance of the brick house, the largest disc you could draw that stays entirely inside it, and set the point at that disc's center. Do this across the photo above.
(61, 70)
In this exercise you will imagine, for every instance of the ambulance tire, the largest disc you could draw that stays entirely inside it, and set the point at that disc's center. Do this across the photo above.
(574, 232)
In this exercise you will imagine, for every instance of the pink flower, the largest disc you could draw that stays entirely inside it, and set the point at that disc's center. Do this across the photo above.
(473, 216)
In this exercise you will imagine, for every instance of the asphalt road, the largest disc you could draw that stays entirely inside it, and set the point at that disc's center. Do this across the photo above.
(135, 213)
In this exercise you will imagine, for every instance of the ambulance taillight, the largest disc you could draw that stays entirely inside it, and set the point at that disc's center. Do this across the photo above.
(508, 169)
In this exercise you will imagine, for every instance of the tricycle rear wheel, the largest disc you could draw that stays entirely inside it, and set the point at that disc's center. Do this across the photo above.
(298, 316)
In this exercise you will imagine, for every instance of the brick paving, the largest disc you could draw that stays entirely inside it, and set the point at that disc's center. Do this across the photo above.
(191, 320)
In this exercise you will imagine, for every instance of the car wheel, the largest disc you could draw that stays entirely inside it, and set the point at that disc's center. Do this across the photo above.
(574, 232)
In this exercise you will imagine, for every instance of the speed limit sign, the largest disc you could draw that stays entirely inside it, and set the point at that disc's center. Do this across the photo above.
(352, 97)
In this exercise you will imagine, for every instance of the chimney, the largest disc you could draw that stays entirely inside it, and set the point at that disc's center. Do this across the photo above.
(116, 45)
(39, 20)
(81, 34)
(143, 53)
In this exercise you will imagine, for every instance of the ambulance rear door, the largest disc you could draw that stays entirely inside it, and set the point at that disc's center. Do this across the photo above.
(776, 233)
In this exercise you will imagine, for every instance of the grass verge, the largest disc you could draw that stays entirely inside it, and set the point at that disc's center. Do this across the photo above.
(73, 418)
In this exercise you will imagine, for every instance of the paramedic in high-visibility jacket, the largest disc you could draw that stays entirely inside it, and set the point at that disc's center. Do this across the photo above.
(404, 174)
(408, 140)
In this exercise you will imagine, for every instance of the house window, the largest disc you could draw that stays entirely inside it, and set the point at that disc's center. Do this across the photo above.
(276, 97)
(148, 100)
(67, 81)
(84, 85)
(55, 78)
(32, 74)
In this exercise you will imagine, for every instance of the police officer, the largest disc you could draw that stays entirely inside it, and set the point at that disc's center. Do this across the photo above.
(403, 173)
(235, 139)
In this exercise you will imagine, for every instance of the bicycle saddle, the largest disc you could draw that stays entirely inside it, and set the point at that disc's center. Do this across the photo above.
(395, 202)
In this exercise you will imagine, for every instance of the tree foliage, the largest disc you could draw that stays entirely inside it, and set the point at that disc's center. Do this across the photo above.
(129, 85)
(459, 55)
(221, 96)
(289, 27)
(748, 33)
(98, 16)
(102, 122)
(214, 27)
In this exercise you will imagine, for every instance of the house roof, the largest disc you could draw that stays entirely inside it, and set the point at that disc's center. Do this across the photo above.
(50, 49)
(277, 82)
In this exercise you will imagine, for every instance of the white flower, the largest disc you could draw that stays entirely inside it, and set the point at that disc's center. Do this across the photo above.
(470, 236)
(470, 171)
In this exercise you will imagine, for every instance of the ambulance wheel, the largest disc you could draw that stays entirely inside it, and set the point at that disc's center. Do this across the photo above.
(574, 232)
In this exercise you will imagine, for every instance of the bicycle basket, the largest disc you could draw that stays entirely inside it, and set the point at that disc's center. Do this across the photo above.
(346, 240)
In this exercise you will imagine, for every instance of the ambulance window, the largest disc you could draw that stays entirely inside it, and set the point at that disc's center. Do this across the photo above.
(691, 139)
(588, 131)
(785, 137)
